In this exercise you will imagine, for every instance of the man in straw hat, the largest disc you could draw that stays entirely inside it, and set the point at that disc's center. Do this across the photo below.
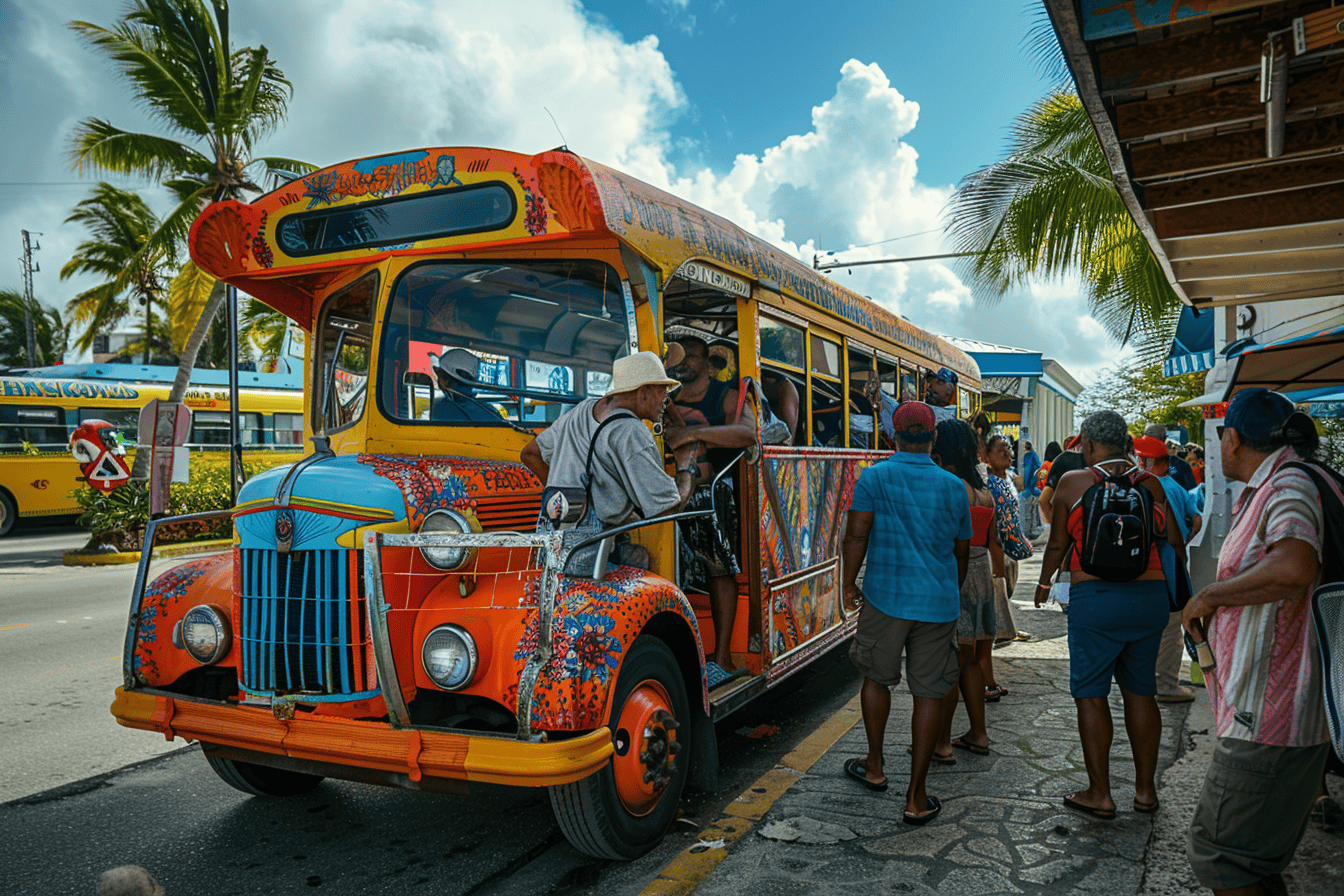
(628, 477)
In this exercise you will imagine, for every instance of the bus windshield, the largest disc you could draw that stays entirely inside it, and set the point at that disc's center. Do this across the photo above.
(479, 343)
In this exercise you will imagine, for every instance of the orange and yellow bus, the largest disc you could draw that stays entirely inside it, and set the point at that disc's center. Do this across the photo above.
(392, 610)
(40, 410)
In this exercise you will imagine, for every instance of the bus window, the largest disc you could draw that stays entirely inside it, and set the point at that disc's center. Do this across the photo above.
(863, 390)
(212, 428)
(909, 390)
(826, 396)
(964, 404)
(126, 421)
(43, 427)
(482, 342)
(345, 335)
(781, 342)
(288, 429)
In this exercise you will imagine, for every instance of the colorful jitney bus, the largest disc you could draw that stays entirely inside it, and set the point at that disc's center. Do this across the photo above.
(40, 409)
(394, 609)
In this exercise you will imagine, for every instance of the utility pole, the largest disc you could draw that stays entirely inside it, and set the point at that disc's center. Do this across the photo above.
(29, 267)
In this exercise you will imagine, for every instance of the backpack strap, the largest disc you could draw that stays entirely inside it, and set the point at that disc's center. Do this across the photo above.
(1333, 567)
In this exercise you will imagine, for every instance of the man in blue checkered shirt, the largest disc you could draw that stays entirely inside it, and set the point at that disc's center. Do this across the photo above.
(916, 517)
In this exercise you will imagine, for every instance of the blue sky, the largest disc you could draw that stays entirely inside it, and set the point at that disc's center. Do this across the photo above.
(819, 127)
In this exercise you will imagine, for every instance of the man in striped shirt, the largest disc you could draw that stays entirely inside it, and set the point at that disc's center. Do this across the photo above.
(1269, 710)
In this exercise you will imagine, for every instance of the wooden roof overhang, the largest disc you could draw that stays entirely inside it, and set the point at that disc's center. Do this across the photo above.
(1241, 200)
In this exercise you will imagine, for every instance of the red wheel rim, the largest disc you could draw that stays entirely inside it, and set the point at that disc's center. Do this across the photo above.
(645, 740)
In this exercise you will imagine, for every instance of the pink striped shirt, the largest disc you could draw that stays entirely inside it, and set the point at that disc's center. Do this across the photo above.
(1267, 687)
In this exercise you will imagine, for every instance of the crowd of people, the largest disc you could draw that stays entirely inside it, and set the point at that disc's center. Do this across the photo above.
(1116, 513)
(937, 529)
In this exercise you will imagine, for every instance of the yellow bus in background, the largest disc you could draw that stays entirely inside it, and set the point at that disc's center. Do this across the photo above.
(40, 409)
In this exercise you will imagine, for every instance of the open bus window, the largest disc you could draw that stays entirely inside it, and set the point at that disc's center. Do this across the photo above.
(288, 429)
(37, 426)
(212, 428)
(345, 335)
(909, 384)
(864, 399)
(827, 395)
(477, 343)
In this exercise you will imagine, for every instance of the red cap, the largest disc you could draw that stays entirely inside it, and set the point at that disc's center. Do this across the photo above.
(1147, 446)
(913, 417)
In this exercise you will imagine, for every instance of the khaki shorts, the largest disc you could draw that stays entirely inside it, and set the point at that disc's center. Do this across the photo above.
(930, 650)
(1253, 811)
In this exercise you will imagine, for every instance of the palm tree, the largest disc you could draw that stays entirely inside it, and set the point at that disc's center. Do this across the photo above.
(221, 101)
(1050, 208)
(123, 250)
(14, 334)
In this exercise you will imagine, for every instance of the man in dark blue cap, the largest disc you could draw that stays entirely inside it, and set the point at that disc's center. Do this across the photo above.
(942, 394)
(1266, 689)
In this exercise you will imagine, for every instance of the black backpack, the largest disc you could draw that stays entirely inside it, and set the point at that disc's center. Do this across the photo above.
(1117, 526)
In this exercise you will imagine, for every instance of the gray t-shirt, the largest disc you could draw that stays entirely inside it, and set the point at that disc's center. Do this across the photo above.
(941, 413)
(628, 474)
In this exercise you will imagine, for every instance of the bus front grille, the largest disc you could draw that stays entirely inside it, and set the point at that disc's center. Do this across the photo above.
(302, 623)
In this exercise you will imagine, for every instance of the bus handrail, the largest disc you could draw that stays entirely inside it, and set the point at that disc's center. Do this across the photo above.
(142, 573)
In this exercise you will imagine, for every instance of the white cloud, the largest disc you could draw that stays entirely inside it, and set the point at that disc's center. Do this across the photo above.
(373, 76)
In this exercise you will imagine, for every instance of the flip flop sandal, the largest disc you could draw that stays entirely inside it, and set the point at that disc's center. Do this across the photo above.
(1102, 814)
(1146, 808)
(935, 758)
(716, 675)
(959, 743)
(934, 808)
(854, 769)
(993, 694)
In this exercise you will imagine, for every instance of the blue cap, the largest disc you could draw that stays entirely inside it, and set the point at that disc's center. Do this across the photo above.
(947, 376)
(1256, 413)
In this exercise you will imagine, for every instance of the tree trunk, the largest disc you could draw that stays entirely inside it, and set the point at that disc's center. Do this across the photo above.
(186, 363)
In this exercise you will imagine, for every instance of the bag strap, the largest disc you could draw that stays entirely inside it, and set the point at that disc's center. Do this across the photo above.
(615, 415)
(742, 386)
(1333, 568)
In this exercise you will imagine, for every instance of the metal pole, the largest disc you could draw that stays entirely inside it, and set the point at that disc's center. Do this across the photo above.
(28, 323)
(235, 442)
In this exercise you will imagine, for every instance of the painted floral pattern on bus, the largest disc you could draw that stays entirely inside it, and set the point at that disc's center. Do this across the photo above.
(594, 624)
(800, 494)
(429, 483)
(160, 604)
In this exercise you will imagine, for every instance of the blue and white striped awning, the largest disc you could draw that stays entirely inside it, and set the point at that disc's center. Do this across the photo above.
(1192, 349)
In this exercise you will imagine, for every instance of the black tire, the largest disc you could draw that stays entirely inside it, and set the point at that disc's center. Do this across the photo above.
(590, 812)
(8, 513)
(261, 780)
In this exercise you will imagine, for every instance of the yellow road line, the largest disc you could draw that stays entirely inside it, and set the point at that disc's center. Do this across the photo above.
(685, 872)
(5, 628)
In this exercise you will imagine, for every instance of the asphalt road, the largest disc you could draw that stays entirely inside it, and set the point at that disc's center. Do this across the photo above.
(61, 635)
(85, 794)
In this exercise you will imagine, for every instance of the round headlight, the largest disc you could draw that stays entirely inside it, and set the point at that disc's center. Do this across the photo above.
(449, 657)
(205, 634)
(446, 521)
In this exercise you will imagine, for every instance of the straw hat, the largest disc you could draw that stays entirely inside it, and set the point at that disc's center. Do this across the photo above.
(637, 370)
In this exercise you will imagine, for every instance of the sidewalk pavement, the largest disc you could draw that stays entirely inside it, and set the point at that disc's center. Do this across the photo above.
(1003, 828)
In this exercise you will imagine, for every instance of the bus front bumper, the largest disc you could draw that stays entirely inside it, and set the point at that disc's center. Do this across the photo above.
(368, 745)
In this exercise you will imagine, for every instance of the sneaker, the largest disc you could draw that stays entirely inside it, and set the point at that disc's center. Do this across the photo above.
(1180, 695)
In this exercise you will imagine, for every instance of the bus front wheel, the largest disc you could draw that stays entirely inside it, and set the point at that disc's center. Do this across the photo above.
(623, 811)
(261, 780)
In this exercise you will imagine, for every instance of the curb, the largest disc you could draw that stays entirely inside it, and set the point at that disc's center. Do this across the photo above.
(75, 558)
(685, 872)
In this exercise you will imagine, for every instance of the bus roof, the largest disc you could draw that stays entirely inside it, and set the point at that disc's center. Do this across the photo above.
(292, 243)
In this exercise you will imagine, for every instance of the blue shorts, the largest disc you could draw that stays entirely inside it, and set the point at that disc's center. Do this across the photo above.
(1115, 629)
